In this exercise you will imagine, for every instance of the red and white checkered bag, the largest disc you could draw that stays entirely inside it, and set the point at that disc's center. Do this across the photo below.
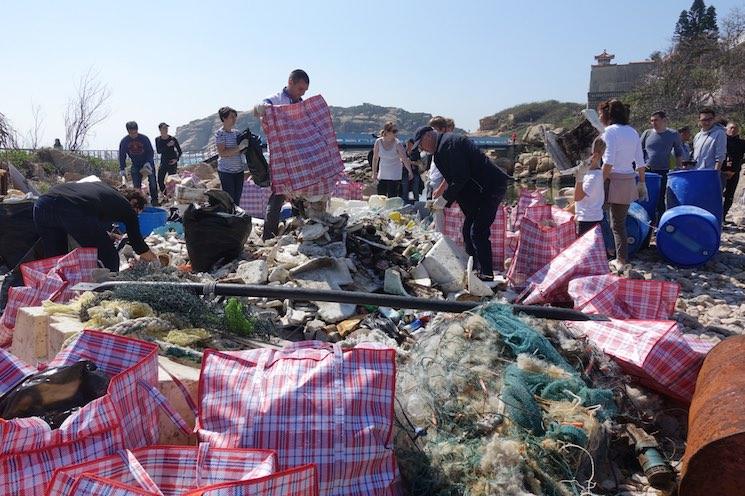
(654, 351)
(166, 470)
(304, 157)
(347, 189)
(125, 417)
(312, 402)
(298, 481)
(585, 257)
(527, 198)
(454, 230)
(544, 234)
(254, 199)
(622, 298)
(47, 279)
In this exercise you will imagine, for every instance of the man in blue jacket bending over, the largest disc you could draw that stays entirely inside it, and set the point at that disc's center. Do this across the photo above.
(472, 180)
(141, 153)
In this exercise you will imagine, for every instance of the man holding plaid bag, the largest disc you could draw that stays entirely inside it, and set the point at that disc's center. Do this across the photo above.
(472, 180)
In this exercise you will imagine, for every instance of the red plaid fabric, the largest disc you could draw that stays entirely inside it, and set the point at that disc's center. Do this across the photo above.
(254, 199)
(527, 198)
(304, 156)
(126, 417)
(12, 371)
(168, 470)
(654, 351)
(622, 298)
(348, 189)
(584, 257)
(312, 403)
(298, 481)
(48, 279)
(454, 230)
(542, 238)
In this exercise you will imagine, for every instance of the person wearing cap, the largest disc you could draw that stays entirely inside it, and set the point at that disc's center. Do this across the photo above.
(471, 180)
(84, 211)
(140, 151)
(170, 153)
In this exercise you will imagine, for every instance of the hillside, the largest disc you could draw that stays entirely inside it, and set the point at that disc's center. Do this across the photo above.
(520, 117)
(365, 118)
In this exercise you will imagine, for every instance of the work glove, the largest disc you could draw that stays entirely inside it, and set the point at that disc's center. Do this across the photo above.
(641, 188)
(123, 175)
(146, 169)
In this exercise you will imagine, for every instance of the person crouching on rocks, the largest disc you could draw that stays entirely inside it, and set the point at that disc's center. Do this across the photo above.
(83, 211)
(472, 180)
(589, 191)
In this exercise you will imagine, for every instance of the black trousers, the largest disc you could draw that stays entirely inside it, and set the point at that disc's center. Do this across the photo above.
(584, 226)
(163, 171)
(480, 213)
(661, 205)
(730, 186)
(232, 184)
(389, 187)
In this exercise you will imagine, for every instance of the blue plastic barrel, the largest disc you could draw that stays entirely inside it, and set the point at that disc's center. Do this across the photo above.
(699, 188)
(688, 236)
(653, 182)
(637, 229)
(149, 219)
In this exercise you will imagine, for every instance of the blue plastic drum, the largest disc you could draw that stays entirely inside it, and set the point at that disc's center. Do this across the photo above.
(699, 188)
(150, 218)
(653, 182)
(688, 236)
(637, 229)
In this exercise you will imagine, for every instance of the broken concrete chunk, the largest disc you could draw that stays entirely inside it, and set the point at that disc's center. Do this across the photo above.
(392, 283)
(446, 264)
(310, 232)
(279, 274)
(254, 272)
(324, 269)
(329, 312)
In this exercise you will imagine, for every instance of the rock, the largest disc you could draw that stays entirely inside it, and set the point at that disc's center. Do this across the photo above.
(392, 283)
(329, 312)
(446, 265)
(254, 272)
(296, 317)
(349, 325)
(719, 312)
(545, 165)
(534, 134)
(310, 232)
(329, 269)
(336, 250)
(279, 274)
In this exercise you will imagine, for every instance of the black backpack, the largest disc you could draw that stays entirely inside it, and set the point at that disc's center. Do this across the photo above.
(257, 164)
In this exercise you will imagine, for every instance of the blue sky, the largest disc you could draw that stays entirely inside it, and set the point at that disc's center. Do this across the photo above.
(178, 61)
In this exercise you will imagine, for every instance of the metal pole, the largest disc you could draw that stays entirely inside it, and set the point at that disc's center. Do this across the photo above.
(335, 296)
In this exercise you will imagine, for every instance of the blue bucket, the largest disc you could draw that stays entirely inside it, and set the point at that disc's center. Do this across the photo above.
(149, 219)
(637, 229)
(653, 182)
(688, 236)
(699, 188)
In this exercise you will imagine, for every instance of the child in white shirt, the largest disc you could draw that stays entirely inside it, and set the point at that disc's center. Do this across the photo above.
(589, 191)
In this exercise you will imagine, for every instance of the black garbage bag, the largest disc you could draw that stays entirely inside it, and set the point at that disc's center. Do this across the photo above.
(257, 164)
(55, 393)
(213, 235)
(14, 278)
(17, 231)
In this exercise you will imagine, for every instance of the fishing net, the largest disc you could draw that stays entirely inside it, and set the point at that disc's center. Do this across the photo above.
(488, 405)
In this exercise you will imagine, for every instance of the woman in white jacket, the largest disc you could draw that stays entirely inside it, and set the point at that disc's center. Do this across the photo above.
(622, 160)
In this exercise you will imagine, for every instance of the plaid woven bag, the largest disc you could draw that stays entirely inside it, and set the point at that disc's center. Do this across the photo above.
(312, 403)
(165, 470)
(656, 352)
(527, 198)
(47, 279)
(347, 189)
(298, 481)
(454, 230)
(585, 257)
(125, 417)
(304, 157)
(622, 298)
(544, 233)
(254, 199)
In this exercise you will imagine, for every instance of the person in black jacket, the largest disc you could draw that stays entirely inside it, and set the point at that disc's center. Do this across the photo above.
(170, 153)
(472, 180)
(732, 165)
(85, 211)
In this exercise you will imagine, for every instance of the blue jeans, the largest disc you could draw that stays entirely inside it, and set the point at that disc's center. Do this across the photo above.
(151, 182)
(56, 218)
(232, 184)
(416, 186)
